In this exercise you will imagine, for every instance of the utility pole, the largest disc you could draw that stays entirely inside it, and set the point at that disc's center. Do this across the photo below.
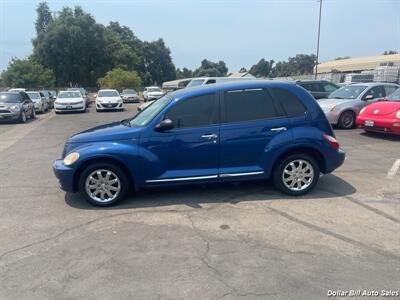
(319, 30)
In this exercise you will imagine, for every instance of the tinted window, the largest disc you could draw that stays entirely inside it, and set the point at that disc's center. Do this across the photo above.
(25, 97)
(246, 105)
(314, 87)
(390, 89)
(211, 81)
(195, 112)
(395, 96)
(289, 101)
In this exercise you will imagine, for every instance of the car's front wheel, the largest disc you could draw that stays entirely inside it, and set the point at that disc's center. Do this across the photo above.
(22, 117)
(347, 120)
(103, 184)
(296, 174)
(33, 114)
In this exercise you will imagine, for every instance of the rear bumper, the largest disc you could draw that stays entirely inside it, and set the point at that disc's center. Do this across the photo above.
(65, 175)
(335, 161)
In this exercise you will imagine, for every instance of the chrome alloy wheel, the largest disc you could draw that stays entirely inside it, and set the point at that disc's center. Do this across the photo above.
(103, 185)
(298, 175)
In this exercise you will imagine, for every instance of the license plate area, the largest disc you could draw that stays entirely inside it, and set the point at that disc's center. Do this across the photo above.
(69, 106)
(369, 123)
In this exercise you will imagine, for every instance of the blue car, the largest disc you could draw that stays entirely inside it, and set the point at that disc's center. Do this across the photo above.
(236, 131)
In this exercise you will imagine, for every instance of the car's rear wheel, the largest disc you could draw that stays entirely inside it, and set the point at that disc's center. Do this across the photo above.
(103, 184)
(296, 174)
(347, 120)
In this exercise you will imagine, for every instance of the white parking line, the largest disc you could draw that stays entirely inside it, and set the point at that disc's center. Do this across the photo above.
(10, 137)
(392, 172)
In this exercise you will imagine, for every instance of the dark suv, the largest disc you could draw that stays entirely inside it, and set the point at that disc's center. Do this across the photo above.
(318, 88)
(247, 130)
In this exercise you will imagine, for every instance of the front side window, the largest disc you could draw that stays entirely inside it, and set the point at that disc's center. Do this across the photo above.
(33, 95)
(248, 105)
(146, 115)
(375, 92)
(195, 82)
(195, 112)
(289, 101)
(390, 89)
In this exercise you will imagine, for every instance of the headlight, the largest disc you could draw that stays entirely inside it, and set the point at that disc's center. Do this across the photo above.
(362, 110)
(71, 158)
(398, 114)
(14, 108)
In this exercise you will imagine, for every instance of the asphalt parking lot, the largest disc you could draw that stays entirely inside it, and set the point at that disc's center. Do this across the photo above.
(203, 242)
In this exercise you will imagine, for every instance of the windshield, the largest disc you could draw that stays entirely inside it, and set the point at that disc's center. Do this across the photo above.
(154, 89)
(146, 115)
(107, 94)
(195, 82)
(395, 96)
(34, 95)
(128, 92)
(9, 98)
(348, 92)
(69, 94)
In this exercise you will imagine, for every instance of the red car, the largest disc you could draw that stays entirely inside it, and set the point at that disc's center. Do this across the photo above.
(382, 116)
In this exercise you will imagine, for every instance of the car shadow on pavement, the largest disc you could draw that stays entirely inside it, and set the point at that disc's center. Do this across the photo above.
(329, 186)
(382, 136)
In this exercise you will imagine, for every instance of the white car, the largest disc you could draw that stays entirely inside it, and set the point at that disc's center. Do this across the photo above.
(108, 100)
(152, 93)
(69, 101)
(39, 100)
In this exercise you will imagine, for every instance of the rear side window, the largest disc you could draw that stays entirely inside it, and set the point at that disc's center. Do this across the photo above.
(289, 101)
(313, 87)
(195, 112)
(390, 89)
(247, 105)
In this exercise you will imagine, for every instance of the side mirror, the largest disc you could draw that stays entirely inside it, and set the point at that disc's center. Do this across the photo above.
(368, 97)
(164, 125)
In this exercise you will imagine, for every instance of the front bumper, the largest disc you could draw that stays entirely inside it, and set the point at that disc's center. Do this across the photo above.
(69, 107)
(380, 125)
(9, 116)
(130, 99)
(65, 175)
(109, 106)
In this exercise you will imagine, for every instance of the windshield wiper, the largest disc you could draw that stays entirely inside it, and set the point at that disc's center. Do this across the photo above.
(126, 122)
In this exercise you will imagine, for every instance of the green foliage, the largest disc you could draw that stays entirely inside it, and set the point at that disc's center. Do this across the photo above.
(28, 74)
(44, 17)
(390, 52)
(262, 69)
(119, 79)
(301, 64)
(184, 73)
(342, 57)
(211, 69)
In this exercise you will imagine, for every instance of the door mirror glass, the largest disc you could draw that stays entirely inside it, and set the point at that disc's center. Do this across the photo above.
(164, 125)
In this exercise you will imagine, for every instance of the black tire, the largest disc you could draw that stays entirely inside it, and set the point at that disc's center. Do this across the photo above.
(123, 180)
(57, 112)
(347, 120)
(22, 117)
(278, 173)
(33, 114)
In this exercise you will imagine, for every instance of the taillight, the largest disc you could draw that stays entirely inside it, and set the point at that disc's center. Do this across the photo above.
(332, 141)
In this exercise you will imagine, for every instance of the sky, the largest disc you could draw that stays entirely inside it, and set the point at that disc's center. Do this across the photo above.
(238, 32)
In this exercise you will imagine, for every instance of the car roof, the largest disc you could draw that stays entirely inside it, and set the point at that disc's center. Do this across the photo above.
(106, 90)
(230, 85)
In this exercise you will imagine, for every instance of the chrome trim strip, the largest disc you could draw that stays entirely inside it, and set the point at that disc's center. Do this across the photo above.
(183, 178)
(241, 174)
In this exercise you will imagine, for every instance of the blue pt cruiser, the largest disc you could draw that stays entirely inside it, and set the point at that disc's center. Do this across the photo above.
(243, 130)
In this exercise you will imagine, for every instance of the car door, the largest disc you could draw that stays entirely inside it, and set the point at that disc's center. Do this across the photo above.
(250, 120)
(189, 151)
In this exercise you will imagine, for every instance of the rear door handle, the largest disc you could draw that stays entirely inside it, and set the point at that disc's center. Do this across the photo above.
(279, 129)
(209, 136)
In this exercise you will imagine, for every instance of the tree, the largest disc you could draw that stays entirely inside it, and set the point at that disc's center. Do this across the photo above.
(390, 52)
(158, 62)
(242, 70)
(342, 57)
(74, 47)
(211, 69)
(119, 79)
(27, 73)
(262, 69)
(44, 17)
(301, 64)
(184, 73)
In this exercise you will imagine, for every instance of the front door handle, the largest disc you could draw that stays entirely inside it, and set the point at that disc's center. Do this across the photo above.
(209, 136)
(279, 129)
